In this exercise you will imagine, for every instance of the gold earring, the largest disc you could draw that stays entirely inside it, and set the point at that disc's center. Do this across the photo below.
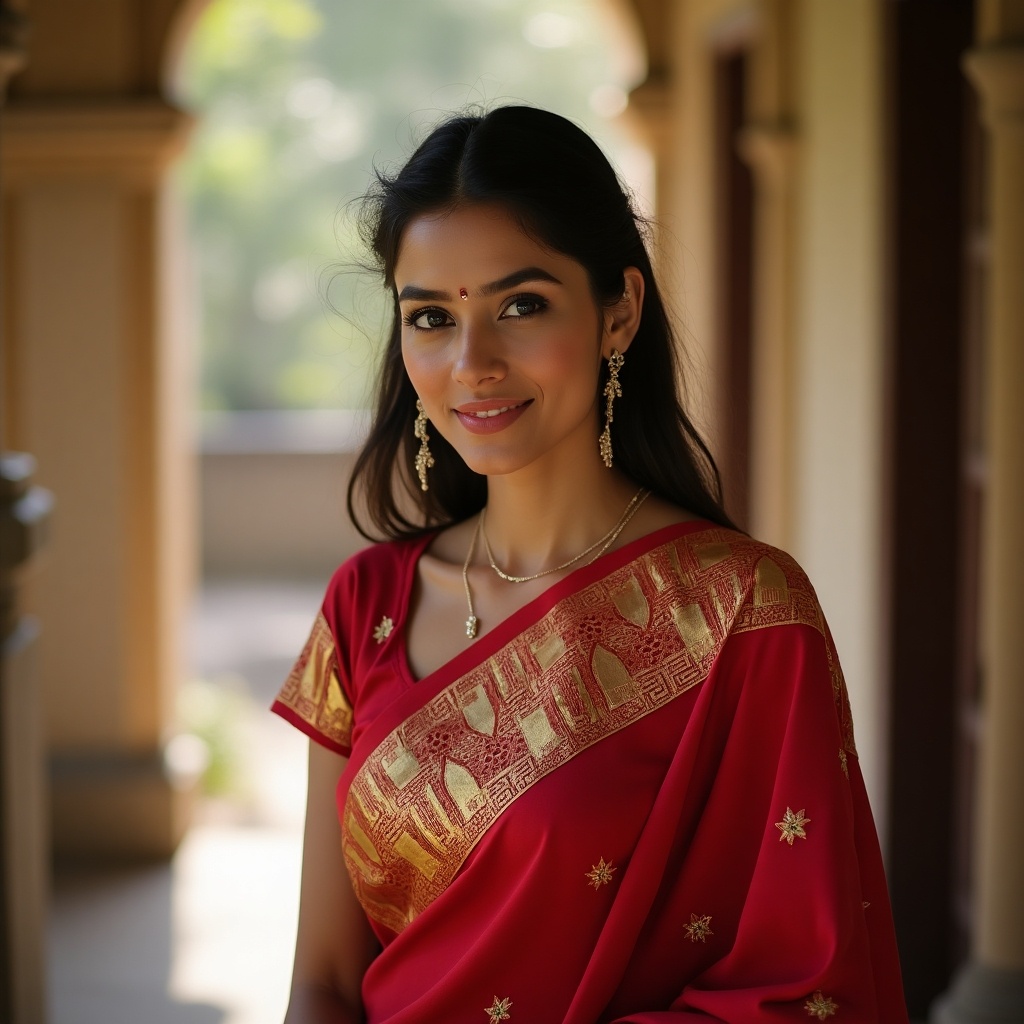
(424, 460)
(612, 390)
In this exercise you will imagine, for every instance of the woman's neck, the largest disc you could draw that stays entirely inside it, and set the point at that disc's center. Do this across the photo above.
(537, 519)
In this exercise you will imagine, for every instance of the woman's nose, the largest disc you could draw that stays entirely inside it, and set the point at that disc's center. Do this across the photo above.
(478, 356)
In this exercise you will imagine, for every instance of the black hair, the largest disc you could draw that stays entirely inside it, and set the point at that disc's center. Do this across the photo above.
(556, 183)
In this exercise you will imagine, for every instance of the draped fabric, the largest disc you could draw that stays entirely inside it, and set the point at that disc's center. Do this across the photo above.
(637, 799)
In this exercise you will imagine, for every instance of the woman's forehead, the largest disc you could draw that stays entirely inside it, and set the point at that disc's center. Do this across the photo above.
(471, 244)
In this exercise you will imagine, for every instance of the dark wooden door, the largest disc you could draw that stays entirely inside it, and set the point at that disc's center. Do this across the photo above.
(931, 503)
(734, 232)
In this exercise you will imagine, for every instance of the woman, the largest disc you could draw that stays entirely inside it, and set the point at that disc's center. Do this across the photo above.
(581, 750)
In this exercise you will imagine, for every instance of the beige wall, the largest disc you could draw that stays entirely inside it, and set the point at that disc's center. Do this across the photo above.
(275, 514)
(272, 492)
(838, 354)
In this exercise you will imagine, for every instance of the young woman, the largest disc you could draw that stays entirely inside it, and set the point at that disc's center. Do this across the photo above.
(581, 751)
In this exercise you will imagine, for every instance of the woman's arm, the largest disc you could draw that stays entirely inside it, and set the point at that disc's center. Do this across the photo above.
(334, 945)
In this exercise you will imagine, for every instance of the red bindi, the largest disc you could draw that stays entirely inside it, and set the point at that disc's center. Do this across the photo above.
(463, 294)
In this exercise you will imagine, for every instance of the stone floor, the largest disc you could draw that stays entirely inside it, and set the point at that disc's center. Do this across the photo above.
(206, 939)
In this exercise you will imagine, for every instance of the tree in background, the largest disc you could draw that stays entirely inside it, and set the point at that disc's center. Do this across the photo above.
(298, 101)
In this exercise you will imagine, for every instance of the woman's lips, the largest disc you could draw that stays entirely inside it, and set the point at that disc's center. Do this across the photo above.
(490, 417)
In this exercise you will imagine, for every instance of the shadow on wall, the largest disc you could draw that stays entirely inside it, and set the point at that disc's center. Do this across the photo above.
(273, 492)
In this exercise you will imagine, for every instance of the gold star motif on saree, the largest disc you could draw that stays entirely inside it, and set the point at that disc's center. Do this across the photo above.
(820, 1006)
(792, 825)
(842, 761)
(498, 1010)
(699, 928)
(601, 873)
(383, 631)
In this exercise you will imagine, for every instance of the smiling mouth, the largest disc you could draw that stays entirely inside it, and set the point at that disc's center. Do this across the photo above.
(487, 410)
(488, 413)
(488, 417)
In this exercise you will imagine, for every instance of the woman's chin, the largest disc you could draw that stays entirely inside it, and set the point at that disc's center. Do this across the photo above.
(492, 466)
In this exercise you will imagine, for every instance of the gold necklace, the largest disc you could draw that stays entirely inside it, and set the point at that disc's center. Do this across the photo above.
(473, 623)
(607, 540)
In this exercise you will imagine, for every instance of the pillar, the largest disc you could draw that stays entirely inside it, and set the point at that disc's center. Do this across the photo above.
(770, 150)
(98, 394)
(991, 986)
(650, 102)
(769, 145)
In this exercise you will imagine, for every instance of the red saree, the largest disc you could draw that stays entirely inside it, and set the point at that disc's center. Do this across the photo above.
(635, 800)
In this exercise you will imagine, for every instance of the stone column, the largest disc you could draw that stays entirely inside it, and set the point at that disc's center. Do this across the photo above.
(991, 987)
(770, 151)
(98, 395)
(769, 145)
(650, 112)
(650, 103)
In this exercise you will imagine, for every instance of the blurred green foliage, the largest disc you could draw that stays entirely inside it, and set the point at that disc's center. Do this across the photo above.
(298, 100)
(215, 712)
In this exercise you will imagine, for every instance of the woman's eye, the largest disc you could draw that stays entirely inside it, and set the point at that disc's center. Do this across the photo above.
(523, 305)
(428, 319)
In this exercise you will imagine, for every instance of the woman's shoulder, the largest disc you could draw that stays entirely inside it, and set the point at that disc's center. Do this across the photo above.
(744, 579)
(379, 564)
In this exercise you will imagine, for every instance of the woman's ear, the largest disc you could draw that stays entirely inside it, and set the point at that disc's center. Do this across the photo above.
(622, 319)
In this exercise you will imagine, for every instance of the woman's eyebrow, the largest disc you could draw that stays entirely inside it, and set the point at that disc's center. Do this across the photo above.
(513, 280)
(517, 278)
(411, 291)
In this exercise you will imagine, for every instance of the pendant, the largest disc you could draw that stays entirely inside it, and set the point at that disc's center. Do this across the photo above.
(471, 627)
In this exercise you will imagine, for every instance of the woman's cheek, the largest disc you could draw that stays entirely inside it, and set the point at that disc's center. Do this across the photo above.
(423, 367)
(577, 360)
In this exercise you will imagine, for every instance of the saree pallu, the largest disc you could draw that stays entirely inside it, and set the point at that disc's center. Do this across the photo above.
(636, 800)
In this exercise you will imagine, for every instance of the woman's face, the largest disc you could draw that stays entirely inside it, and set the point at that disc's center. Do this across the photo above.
(502, 340)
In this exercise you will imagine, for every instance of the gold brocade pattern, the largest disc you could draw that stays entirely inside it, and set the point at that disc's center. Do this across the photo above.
(313, 688)
(599, 660)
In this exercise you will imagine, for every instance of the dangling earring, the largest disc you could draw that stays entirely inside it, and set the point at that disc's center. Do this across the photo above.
(424, 460)
(612, 390)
